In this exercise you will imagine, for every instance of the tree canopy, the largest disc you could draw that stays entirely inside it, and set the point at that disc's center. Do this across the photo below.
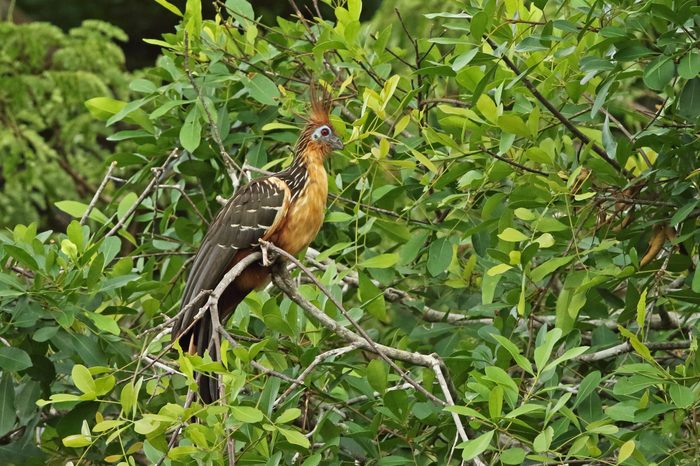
(506, 273)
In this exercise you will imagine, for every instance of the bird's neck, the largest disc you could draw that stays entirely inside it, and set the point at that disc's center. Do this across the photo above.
(306, 168)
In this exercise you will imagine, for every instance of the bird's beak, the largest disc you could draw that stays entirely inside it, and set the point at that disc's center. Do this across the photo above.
(336, 143)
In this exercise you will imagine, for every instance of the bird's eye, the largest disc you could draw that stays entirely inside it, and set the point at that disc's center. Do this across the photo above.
(325, 132)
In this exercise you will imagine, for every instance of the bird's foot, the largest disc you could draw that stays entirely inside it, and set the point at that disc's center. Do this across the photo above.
(268, 257)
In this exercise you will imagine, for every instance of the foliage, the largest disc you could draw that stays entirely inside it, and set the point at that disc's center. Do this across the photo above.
(518, 194)
(52, 149)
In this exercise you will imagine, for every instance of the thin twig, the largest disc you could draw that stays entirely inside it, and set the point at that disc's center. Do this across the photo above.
(514, 163)
(98, 193)
(187, 198)
(157, 175)
(317, 360)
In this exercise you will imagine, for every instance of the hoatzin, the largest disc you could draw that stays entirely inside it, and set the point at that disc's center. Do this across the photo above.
(285, 208)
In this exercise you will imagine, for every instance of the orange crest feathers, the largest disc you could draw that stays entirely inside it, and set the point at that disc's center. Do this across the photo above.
(320, 106)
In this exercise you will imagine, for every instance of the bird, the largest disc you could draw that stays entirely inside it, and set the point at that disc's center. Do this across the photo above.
(285, 208)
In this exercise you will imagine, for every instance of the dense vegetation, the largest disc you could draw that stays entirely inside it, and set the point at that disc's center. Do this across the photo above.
(506, 275)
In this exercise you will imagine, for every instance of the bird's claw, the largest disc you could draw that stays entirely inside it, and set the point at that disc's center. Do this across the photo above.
(268, 257)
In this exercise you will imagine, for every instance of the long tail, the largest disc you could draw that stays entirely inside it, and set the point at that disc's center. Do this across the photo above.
(199, 339)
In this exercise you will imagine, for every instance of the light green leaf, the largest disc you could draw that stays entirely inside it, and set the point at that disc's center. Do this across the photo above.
(288, 415)
(191, 131)
(169, 6)
(82, 379)
(543, 440)
(626, 451)
(475, 447)
(295, 437)
(382, 261)
(541, 271)
(512, 235)
(498, 269)
(377, 375)
(247, 414)
(76, 441)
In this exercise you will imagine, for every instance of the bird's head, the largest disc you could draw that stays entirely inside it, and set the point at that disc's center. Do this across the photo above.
(318, 135)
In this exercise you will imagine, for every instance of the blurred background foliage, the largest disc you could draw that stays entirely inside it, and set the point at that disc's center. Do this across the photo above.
(518, 196)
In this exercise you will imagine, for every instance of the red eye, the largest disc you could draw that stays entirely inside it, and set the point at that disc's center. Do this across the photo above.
(325, 132)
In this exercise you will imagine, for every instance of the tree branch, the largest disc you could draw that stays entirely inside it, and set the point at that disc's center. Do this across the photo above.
(623, 348)
(157, 175)
(98, 193)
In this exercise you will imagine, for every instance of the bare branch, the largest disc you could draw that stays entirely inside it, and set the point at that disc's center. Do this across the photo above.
(623, 348)
(317, 360)
(157, 175)
(98, 193)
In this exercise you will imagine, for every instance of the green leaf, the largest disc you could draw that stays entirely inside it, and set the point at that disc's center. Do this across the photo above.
(295, 437)
(83, 381)
(681, 396)
(543, 440)
(21, 256)
(7, 403)
(76, 441)
(288, 415)
(682, 213)
(439, 256)
(169, 6)
(513, 456)
(191, 131)
(475, 447)
(262, 89)
(626, 451)
(372, 297)
(569, 354)
(695, 286)
(659, 72)
(487, 108)
(382, 261)
(377, 375)
(689, 66)
(77, 209)
(241, 10)
(14, 359)
(498, 269)
(125, 204)
(313, 460)
(544, 350)
(541, 271)
(642, 308)
(496, 402)
(589, 383)
(511, 123)
(512, 235)
(104, 323)
(519, 359)
(247, 414)
(465, 411)
(689, 100)
(527, 408)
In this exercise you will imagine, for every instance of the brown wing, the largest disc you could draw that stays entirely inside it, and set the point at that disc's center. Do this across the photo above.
(253, 213)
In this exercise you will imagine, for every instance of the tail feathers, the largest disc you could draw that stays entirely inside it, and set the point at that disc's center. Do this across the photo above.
(199, 339)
